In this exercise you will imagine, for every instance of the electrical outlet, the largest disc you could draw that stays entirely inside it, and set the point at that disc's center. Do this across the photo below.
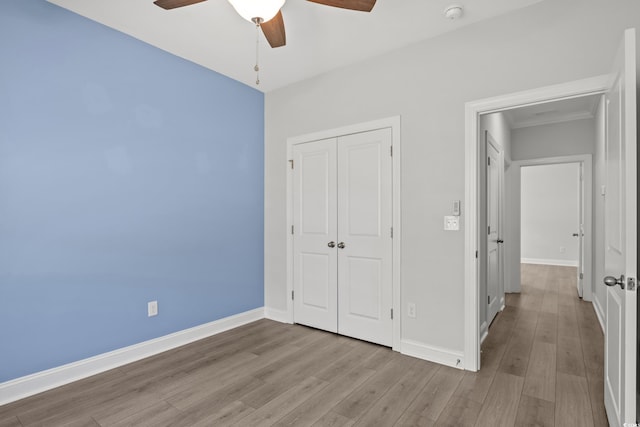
(152, 308)
(411, 312)
(451, 223)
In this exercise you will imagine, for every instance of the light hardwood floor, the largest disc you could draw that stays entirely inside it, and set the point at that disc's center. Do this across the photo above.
(541, 366)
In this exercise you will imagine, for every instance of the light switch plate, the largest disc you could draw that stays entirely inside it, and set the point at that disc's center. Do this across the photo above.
(451, 223)
(456, 207)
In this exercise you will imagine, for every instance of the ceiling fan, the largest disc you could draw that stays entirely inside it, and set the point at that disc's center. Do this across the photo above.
(267, 14)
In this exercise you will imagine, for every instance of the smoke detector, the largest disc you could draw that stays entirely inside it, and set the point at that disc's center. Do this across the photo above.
(453, 12)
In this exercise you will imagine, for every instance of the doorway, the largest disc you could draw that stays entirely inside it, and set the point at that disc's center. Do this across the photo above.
(556, 216)
(341, 302)
(475, 111)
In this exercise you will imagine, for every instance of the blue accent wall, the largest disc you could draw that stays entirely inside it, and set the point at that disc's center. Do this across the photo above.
(126, 175)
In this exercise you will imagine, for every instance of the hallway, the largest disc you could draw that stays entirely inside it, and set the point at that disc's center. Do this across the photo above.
(543, 359)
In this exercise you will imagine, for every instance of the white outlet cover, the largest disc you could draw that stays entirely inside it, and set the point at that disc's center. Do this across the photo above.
(451, 223)
(411, 312)
(152, 308)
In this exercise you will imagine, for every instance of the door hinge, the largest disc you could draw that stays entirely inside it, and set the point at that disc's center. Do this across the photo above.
(581, 276)
(392, 313)
(631, 284)
(489, 161)
(391, 151)
(476, 254)
(489, 230)
(292, 229)
(392, 232)
(488, 299)
(292, 295)
(291, 161)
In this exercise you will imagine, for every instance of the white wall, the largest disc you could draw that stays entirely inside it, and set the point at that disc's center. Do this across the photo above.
(428, 84)
(554, 140)
(549, 212)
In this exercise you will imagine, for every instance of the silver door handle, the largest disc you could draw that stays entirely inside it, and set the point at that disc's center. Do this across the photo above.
(575, 235)
(331, 244)
(341, 245)
(612, 281)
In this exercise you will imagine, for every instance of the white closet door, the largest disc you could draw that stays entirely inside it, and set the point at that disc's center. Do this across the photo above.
(315, 261)
(364, 236)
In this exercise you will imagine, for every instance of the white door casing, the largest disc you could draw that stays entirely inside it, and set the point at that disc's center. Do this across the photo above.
(314, 223)
(365, 250)
(621, 237)
(494, 228)
(473, 162)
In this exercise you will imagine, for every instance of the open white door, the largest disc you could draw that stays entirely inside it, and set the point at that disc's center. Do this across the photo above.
(495, 290)
(315, 233)
(621, 238)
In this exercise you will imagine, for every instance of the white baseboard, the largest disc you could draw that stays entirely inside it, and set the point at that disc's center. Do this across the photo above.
(558, 262)
(41, 381)
(281, 316)
(599, 312)
(443, 356)
(484, 331)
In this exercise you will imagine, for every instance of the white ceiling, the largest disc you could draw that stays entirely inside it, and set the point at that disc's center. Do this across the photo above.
(319, 38)
(583, 107)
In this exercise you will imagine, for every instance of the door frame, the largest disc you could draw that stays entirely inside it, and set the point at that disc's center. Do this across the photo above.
(587, 208)
(389, 122)
(473, 111)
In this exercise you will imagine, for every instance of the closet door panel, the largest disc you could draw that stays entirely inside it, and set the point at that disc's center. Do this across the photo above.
(364, 236)
(315, 228)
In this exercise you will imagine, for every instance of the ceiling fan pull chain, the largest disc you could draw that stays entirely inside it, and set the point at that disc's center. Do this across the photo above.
(257, 66)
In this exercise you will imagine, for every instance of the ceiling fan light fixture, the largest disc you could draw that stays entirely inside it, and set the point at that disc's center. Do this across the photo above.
(263, 9)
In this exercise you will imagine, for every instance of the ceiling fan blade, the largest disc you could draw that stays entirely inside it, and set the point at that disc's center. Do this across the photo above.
(172, 4)
(361, 5)
(274, 31)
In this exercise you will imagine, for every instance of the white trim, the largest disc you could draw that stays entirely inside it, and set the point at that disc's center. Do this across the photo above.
(389, 122)
(473, 110)
(440, 355)
(581, 115)
(484, 331)
(41, 381)
(558, 262)
(276, 315)
(599, 312)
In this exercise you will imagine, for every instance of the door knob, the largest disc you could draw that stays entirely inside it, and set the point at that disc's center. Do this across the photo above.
(499, 241)
(331, 244)
(341, 245)
(575, 235)
(612, 281)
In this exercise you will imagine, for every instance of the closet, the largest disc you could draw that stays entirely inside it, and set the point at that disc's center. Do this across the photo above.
(342, 235)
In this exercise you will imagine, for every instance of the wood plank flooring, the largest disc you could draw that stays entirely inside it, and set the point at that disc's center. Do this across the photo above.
(542, 365)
